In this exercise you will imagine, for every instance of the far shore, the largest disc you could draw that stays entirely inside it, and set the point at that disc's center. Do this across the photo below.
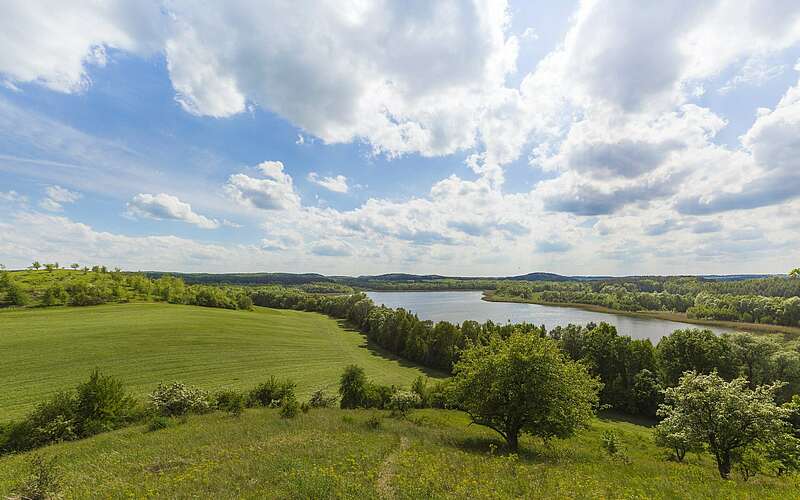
(789, 331)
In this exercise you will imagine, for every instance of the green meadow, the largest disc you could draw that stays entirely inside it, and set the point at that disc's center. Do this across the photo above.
(44, 350)
(336, 454)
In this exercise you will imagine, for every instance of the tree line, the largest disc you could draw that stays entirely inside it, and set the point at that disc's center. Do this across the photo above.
(634, 372)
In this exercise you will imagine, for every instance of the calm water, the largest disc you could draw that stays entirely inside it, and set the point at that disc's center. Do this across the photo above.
(457, 307)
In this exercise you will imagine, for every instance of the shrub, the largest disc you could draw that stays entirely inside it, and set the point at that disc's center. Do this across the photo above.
(230, 401)
(102, 405)
(402, 401)
(270, 393)
(289, 406)
(377, 396)
(157, 422)
(352, 387)
(178, 399)
(374, 421)
(305, 407)
(42, 480)
(612, 445)
(321, 400)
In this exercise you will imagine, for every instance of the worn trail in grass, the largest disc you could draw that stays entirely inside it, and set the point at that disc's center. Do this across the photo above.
(49, 349)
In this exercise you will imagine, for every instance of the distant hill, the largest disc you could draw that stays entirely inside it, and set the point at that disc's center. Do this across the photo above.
(305, 278)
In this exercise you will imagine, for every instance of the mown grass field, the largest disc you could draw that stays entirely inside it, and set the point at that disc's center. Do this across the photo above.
(335, 454)
(43, 350)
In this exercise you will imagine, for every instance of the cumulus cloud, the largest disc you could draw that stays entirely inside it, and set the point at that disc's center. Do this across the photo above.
(57, 197)
(773, 173)
(274, 190)
(337, 184)
(340, 71)
(52, 43)
(163, 206)
(331, 248)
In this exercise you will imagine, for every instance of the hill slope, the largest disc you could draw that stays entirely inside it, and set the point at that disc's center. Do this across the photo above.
(334, 454)
(49, 349)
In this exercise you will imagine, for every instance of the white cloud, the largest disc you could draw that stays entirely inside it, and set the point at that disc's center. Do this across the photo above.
(337, 184)
(274, 191)
(51, 42)
(163, 206)
(57, 196)
(12, 197)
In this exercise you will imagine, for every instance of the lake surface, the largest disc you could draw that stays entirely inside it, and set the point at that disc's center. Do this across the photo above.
(458, 307)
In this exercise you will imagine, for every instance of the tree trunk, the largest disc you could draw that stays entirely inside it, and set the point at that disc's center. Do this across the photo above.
(724, 464)
(513, 441)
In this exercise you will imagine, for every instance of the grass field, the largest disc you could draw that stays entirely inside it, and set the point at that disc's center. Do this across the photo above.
(334, 454)
(43, 350)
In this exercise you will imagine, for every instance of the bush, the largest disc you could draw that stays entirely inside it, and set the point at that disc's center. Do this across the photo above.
(42, 480)
(305, 407)
(321, 400)
(612, 445)
(289, 406)
(178, 399)
(374, 421)
(402, 401)
(271, 393)
(102, 405)
(377, 396)
(230, 401)
(352, 387)
(157, 422)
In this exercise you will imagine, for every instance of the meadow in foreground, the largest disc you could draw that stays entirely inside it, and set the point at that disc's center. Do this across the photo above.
(331, 453)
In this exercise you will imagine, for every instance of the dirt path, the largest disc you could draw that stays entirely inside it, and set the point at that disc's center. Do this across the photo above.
(386, 474)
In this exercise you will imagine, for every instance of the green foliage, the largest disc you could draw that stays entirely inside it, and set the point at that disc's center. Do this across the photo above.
(373, 422)
(401, 402)
(319, 399)
(42, 480)
(231, 401)
(728, 417)
(176, 398)
(289, 406)
(98, 405)
(794, 273)
(102, 404)
(157, 422)
(271, 393)
(524, 384)
(671, 434)
(352, 387)
(612, 445)
(694, 349)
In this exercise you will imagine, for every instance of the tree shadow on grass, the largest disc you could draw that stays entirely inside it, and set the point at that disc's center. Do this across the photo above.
(615, 416)
(528, 452)
(380, 352)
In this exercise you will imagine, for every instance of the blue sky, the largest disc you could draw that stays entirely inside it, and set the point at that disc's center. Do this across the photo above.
(458, 137)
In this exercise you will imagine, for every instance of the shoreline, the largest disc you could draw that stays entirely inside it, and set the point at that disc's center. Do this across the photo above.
(789, 332)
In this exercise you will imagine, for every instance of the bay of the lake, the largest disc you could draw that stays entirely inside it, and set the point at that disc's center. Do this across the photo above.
(460, 306)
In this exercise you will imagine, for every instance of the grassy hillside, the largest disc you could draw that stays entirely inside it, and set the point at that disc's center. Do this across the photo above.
(44, 350)
(335, 454)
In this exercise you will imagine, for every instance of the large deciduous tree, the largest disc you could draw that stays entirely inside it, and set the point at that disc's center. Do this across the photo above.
(728, 417)
(694, 349)
(524, 384)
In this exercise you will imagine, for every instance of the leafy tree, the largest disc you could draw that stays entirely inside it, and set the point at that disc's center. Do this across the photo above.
(75, 266)
(669, 434)
(728, 417)
(795, 273)
(693, 349)
(754, 355)
(524, 384)
(36, 265)
(16, 294)
(647, 393)
(352, 387)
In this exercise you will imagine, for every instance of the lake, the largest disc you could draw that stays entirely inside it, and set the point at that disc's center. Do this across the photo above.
(460, 306)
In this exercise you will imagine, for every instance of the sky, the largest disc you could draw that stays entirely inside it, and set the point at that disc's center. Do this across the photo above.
(472, 138)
